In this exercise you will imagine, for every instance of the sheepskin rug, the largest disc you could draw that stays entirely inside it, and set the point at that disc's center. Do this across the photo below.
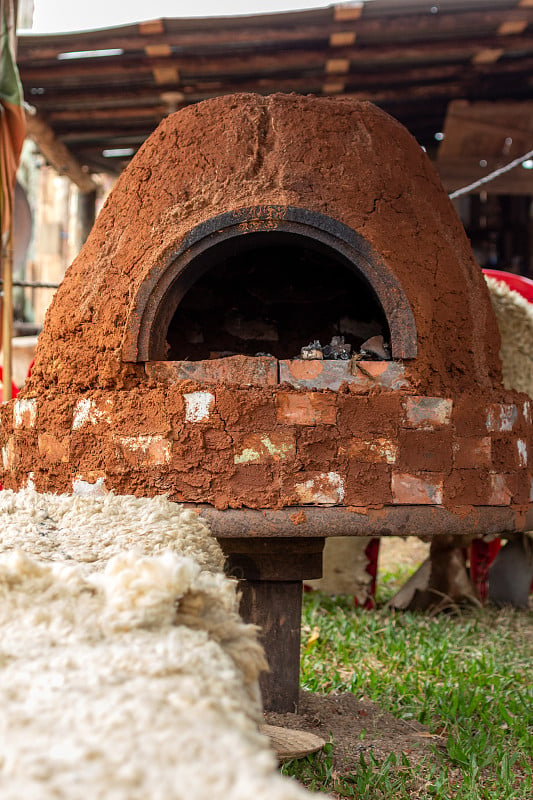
(514, 315)
(126, 672)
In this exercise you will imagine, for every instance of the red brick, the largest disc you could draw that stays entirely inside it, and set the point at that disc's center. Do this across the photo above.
(251, 485)
(425, 450)
(147, 410)
(427, 412)
(25, 412)
(507, 456)
(246, 409)
(469, 416)
(500, 490)
(314, 373)
(233, 370)
(388, 374)
(378, 414)
(143, 450)
(306, 408)
(377, 450)
(363, 375)
(472, 451)
(421, 489)
(198, 406)
(9, 454)
(468, 487)
(53, 449)
(317, 445)
(189, 447)
(501, 417)
(92, 411)
(368, 484)
(260, 448)
(520, 486)
(56, 412)
(314, 488)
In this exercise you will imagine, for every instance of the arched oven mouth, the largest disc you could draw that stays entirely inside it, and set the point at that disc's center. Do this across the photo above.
(270, 282)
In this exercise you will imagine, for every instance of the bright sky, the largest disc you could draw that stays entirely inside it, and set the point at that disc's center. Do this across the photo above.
(68, 15)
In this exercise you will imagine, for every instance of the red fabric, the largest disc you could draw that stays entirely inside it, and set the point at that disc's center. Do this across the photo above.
(14, 390)
(517, 283)
(481, 556)
(372, 553)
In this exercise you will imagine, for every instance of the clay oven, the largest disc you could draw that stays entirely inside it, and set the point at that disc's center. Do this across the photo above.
(246, 228)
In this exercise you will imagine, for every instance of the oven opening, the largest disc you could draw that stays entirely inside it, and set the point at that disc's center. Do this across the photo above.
(270, 293)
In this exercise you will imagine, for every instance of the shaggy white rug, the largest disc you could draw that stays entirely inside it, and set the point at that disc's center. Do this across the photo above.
(124, 675)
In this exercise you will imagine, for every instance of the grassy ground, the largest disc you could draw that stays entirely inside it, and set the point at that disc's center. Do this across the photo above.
(469, 678)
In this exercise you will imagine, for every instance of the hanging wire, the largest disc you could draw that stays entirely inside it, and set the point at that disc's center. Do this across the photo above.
(491, 176)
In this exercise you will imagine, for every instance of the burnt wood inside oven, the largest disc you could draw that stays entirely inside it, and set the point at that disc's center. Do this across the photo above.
(268, 280)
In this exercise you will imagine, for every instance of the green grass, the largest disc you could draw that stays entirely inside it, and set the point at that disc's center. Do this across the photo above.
(469, 678)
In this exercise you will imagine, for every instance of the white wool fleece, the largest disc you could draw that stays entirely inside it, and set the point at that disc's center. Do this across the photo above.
(124, 678)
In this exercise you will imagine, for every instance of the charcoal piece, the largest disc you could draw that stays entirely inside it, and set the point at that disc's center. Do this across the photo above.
(312, 351)
(376, 348)
(337, 349)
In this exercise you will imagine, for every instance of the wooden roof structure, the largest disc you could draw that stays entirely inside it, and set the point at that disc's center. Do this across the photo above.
(101, 91)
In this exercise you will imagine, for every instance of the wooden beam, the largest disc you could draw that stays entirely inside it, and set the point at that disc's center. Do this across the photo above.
(61, 99)
(487, 55)
(342, 39)
(255, 61)
(220, 33)
(348, 11)
(57, 154)
(512, 27)
(101, 114)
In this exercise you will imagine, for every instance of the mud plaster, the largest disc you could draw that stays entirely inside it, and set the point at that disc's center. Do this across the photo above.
(338, 157)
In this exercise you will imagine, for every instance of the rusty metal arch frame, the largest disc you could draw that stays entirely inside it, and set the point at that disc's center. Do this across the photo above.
(161, 291)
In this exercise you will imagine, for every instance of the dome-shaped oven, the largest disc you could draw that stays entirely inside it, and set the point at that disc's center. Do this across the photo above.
(245, 229)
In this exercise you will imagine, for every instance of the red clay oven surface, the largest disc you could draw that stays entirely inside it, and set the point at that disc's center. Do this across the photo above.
(433, 427)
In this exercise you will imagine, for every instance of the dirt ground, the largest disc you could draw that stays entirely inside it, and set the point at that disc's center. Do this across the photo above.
(356, 726)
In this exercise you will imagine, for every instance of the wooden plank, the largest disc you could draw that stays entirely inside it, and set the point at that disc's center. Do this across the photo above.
(289, 743)
(266, 558)
(298, 27)
(342, 39)
(151, 27)
(487, 55)
(512, 27)
(59, 99)
(102, 114)
(158, 50)
(333, 87)
(57, 153)
(337, 65)
(164, 75)
(276, 607)
(255, 61)
(347, 11)
(62, 97)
